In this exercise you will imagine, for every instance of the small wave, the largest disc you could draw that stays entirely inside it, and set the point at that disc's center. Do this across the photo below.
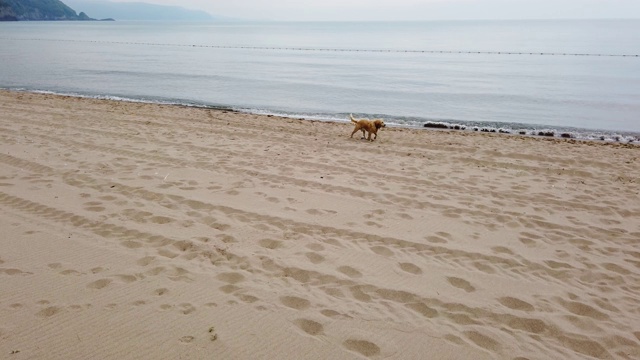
(295, 115)
(141, 100)
(109, 97)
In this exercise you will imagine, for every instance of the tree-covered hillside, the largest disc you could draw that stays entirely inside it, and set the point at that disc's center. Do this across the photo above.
(6, 13)
(38, 10)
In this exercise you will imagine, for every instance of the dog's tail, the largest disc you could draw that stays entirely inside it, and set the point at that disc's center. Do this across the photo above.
(352, 119)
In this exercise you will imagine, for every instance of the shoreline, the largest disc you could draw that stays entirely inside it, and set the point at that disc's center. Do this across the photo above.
(547, 131)
(135, 230)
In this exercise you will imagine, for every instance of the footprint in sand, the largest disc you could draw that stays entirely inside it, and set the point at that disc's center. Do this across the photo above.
(502, 250)
(295, 302)
(482, 340)
(229, 289)
(461, 284)
(161, 220)
(410, 268)
(105, 198)
(127, 278)
(187, 339)
(315, 247)
(515, 303)
(423, 309)
(161, 291)
(166, 253)
(359, 294)
(49, 311)
(185, 245)
(14, 272)
(100, 284)
(186, 308)
(616, 268)
(145, 260)
(382, 250)
(334, 314)
(585, 310)
(249, 299)
(270, 244)
(309, 326)
(529, 239)
(373, 223)
(70, 272)
(94, 206)
(350, 272)
(231, 277)
(130, 244)
(557, 265)
(436, 240)
(362, 347)
(314, 257)
(454, 339)
(187, 188)
(227, 239)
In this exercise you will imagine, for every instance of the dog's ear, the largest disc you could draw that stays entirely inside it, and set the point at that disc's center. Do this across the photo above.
(378, 123)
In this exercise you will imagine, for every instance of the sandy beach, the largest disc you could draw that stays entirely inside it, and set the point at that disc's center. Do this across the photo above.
(145, 231)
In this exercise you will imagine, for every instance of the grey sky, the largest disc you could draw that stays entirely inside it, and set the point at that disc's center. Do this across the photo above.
(304, 10)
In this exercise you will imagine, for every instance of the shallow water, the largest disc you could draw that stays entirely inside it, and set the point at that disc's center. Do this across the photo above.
(565, 76)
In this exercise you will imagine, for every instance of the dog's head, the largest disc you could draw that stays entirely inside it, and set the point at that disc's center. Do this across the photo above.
(379, 123)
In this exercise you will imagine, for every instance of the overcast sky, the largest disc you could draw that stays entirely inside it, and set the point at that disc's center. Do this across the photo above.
(303, 10)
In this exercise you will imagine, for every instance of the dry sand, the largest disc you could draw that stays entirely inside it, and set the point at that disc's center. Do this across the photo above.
(139, 231)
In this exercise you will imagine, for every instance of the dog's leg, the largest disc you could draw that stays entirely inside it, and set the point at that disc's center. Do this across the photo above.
(355, 131)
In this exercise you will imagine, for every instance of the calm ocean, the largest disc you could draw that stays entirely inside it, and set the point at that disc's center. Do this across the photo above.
(567, 76)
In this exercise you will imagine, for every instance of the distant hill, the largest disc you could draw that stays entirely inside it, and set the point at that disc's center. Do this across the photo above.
(138, 11)
(16, 10)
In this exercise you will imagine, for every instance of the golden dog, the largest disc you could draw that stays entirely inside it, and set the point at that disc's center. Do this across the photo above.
(371, 126)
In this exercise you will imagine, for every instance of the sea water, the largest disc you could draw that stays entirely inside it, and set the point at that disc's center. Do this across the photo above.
(577, 77)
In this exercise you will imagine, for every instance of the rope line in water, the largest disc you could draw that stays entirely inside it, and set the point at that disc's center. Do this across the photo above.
(335, 49)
